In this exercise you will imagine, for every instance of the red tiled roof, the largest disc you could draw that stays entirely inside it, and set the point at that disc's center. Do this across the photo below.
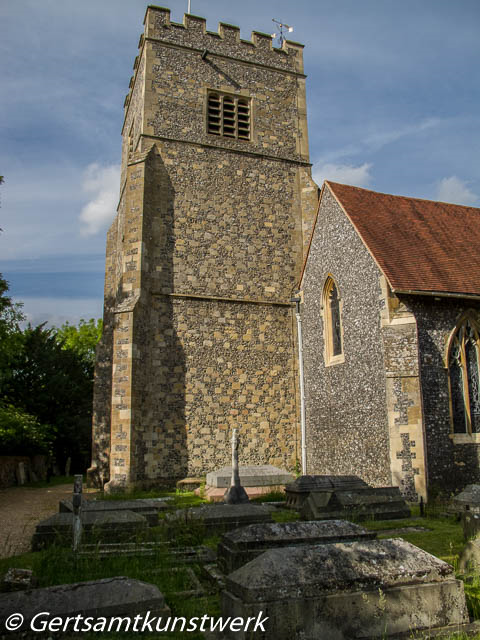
(419, 245)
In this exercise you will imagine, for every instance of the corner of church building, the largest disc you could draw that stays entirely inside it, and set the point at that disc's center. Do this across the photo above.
(203, 258)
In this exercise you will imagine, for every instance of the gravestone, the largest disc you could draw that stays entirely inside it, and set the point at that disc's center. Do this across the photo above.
(467, 500)
(98, 598)
(345, 591)
(470, 557)
(337, 497)
(470, 525)
(298, 491)
(250, 476)
(18, 580)
(236, 494)
(238, 547)
(21, 473)
(117, 526)
(148, 507)
(383, 503)
(222, 517)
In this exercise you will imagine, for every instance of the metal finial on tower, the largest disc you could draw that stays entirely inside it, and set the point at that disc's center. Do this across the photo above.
(284, 28)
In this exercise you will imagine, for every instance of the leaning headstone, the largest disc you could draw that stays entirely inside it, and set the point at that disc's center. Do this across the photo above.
(98, 599)
(236, 494)
(298, 491)
(102, 526)
(222, 517)
(239, 546)
(345, 591)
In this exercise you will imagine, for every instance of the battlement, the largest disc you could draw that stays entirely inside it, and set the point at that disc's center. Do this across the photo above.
(192, 33)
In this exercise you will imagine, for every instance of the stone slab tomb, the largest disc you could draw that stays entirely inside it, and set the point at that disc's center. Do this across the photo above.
(256, 480)
(109, 597)
(345, 591)
(298, 491)
(239, 546)
(467, 500)
(117, 526)
(148, 507)
(223, 517)
(337, 497)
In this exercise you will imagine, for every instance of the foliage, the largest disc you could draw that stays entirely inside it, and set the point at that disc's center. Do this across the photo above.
(55, 385)
(22, 433)
(82, 339)
(10, 335)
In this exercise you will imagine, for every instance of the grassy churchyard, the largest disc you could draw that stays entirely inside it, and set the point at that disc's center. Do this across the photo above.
(188, 589)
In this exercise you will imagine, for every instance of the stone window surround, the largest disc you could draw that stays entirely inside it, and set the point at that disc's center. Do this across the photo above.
(329, 358)
(236, 97)
(468, 437)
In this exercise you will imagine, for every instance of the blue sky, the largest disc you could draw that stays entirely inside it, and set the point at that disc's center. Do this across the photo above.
(393, 105)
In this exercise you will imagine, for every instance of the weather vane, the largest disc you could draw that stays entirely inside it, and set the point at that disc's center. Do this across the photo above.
(284, 28)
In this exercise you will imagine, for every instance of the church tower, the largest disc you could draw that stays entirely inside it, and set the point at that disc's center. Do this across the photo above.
(216, 204)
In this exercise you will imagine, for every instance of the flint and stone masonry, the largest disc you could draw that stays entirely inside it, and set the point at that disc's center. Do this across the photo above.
(202, 260)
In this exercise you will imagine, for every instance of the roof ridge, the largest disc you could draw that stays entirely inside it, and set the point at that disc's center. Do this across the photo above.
(392, 195)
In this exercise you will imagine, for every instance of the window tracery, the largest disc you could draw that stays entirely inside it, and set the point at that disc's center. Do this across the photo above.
(464, 377)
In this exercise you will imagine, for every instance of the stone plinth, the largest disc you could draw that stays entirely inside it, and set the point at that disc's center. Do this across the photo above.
(250, 476)
(223, 517)
(365, 589)
(109, 597)
(242, 545)
(116, 526)
(382, 503)
(298, 491)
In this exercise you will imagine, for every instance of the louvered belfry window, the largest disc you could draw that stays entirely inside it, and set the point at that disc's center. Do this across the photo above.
(228, 116)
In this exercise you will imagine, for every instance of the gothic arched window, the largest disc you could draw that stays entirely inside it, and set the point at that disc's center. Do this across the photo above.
(463, 374)
(332, 322)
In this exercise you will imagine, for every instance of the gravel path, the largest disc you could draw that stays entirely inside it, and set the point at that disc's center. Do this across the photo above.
(21, 508)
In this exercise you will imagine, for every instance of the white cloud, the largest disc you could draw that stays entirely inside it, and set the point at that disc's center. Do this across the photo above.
(102, 183)
(343, 173)
(455, 190)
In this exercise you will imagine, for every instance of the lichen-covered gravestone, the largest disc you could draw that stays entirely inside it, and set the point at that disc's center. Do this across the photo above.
(242, 545)
(345, 591)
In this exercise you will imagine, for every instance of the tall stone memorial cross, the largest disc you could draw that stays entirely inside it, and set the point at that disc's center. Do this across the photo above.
(77, 508)
(236, 494)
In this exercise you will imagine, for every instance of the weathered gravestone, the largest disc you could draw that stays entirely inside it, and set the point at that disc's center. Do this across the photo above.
(298, 491)
(467, 500)
(337, 497)
(99, 598)
(239, 546)
(383, 503)
(18, 580)
(116, 526)
(250, 476)
(147, 507)
(222, 517)
(470, 524)
(345, 591)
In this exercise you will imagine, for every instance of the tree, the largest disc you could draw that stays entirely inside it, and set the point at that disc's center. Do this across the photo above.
(82, 339)
(10, 335)
(55, 385)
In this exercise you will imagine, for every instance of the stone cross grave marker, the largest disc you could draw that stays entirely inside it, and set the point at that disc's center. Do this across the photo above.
(236, 494)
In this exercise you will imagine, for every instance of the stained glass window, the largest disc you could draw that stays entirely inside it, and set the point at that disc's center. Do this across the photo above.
(463, 369)
(333, 326)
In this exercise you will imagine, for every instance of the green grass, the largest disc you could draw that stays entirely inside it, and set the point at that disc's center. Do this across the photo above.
(443, 538)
